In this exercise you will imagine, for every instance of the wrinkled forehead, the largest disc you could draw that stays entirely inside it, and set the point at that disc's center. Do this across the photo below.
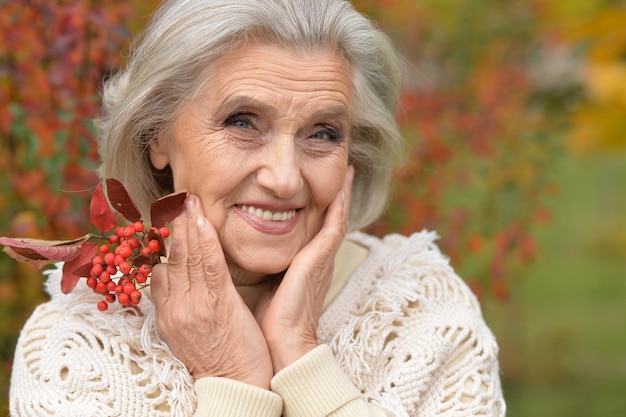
(270, 74)
(246, 60)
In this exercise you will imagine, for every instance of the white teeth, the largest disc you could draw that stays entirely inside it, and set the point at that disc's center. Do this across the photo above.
(268, 215)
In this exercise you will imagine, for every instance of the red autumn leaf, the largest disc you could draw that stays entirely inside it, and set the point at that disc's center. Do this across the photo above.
(166, 209)
(38, 252)
(78, 267)
(121, 201)
(150, 260)
(35, 263)
(101, 215)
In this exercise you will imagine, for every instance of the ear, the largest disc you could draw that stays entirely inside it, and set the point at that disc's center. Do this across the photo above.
(158, 154)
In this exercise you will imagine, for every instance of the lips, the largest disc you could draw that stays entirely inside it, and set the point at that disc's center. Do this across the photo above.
(269, 222)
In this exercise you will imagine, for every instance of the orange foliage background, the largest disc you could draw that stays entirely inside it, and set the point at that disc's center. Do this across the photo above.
(478, 112)
(53, 57)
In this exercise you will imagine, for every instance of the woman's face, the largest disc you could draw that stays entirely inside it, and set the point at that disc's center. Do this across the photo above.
(266, 150)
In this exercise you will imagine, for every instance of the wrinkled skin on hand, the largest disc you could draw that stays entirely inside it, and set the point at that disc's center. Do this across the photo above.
(206, 322)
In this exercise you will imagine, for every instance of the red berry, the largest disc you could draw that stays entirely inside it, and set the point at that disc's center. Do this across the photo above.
(129, 231)
(111, 269)
(141, 278)
(145, 251)
(154, 245)
(138, 226)
(145, 269)
(129, 288)
(111, 286)
(120, 248)
(101, 288)
(103, 305)
(135, 297)
(118, 289)
(110, 298)
(134, 243)
(126, 252)
(97, 260)
(124, 299)
(119, 259)
(164, 231)
(109, 258)
(105, 277)
(113, 239)
(91, 282)
(96, 270)
(125, 267)
(104, 248)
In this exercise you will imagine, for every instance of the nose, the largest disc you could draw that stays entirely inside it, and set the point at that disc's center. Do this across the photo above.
(280, 173)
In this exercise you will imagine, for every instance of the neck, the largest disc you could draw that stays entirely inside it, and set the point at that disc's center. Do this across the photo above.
(252, 293)
(251, 286)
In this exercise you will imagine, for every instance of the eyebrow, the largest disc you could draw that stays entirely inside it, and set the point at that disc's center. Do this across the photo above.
(333, 112)
(247, 102)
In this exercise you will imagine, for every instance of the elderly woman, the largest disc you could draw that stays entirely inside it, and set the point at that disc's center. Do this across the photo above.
(277, 118)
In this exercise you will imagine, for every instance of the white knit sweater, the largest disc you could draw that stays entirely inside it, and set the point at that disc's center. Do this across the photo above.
(403, 337)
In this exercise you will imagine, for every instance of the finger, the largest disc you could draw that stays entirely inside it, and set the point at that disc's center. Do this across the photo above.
(338, 214)
(346, 198)
(319, 254)
(159, 284)
(207, 265)
(162, 274)
(195, 256)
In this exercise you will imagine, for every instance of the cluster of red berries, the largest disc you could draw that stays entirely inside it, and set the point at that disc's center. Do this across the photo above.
(121, 268)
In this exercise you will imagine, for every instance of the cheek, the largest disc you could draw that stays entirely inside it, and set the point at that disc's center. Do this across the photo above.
(203, 167)
(326, 182)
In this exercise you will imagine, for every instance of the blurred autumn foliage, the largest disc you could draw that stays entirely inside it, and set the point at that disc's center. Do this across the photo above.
(480, 129)
(53, 57)
(495, 90)
(599, 124)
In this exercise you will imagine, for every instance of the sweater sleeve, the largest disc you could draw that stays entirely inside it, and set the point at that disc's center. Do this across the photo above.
(225, 397)
(315, 386)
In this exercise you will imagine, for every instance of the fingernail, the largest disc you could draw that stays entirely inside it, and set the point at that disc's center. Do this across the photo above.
(191, 202)
(201, 221)
(349, 175)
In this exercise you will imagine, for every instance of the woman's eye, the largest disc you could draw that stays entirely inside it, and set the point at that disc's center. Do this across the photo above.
(241, 121)
(326, 133)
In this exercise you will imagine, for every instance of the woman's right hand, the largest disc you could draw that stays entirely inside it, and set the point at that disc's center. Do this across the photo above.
(200, 314)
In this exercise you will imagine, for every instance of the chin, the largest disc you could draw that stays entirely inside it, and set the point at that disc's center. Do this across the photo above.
(268, 256)
(268, 266)
(256, 267)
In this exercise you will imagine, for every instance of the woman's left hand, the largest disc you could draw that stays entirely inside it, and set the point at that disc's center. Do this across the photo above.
(289, 316)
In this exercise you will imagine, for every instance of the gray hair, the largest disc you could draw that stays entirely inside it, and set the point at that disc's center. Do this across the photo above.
(167, 67)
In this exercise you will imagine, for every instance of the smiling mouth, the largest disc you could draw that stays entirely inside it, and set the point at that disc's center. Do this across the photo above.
(269, 215)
